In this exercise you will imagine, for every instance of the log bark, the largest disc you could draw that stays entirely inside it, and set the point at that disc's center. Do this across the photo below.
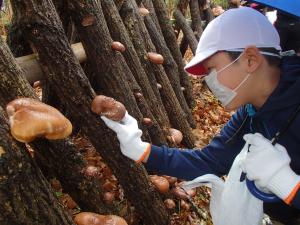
(119, 33)
(26, 196)
(142, 44)
(158, 136)
(32, 68)
(170, 38)
(149, 5)
(187, 30)
(196, 19)
(62, 157)
(111, 79)
(170, 67)
(182, 5)
(71, 86)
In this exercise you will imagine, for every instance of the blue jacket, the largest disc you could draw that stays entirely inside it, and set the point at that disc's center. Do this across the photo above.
(218, 156)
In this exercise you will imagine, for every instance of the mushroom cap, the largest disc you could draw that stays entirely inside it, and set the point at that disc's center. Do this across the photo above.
(30, 118)
(109, 107)
(161, 183)
(155, 58)
(176, 135)
(88, 218)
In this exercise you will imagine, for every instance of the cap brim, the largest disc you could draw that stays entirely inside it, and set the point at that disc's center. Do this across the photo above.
(195, 66)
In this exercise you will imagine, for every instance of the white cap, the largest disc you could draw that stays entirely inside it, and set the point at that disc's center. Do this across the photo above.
(234, 29)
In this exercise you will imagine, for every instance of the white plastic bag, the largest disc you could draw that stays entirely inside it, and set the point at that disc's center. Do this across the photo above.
(231, 202)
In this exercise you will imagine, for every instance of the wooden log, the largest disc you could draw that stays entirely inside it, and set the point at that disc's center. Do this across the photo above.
(182, 6)
(118, 32)
(72, 87)
(149, 5)
(170, 38)
(136, 28)
(196, 19)
(26, 197)
(32, 69)
(170, 67)
(187, 30)
(183, 45)
(158, 136)
(118, 4)
(62, 156)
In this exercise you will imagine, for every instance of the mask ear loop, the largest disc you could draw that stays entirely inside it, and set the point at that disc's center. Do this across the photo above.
(231, 63)
(243, 81)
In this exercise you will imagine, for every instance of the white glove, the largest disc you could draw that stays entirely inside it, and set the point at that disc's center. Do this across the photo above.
(129, 136)
(268, 166)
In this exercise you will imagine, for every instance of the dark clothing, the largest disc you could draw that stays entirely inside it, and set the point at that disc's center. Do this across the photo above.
(218, 156)
(288, 28)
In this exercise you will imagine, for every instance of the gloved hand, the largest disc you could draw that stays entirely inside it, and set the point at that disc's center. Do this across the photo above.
(129, 136)
(268, 166)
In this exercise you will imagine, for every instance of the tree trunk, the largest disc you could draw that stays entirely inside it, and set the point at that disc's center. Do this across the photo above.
(170, 67)
(136, 27)
(187, 30)
(158, 136)
(71, 86)
(170, 38)
(196, 19)
(149, 5)
(183, 45)
(111, 80)
(119, 33)
(26, 196)
(61, 156)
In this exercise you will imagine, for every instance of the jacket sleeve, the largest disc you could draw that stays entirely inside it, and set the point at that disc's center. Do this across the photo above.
(215, 158)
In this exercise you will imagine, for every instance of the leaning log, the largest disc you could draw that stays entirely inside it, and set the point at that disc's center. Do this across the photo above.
(142, 44)
(26, 196)
(32, 68)
(186, 29)
(170, 38)
(119, 33)
(62, 157)
(170, 66)
(196, 19)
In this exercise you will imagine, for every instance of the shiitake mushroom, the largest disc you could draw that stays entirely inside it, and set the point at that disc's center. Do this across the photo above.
(109, 107)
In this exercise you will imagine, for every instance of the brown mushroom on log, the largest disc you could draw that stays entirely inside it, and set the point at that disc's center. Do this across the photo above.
(161, 183)
(118, 46)
(155, 58)
(30, 118)
(169, 203)
(180, 193)
(109, 197)
(172, 180)
(176, 135)
(147, 121)
(109, 107)
(143, 11)
(88, 218)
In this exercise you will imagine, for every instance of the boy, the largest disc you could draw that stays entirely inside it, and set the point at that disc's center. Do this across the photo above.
(239, 52)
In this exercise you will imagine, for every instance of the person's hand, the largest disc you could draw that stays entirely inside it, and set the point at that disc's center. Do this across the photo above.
(129, 136)
(268, 166)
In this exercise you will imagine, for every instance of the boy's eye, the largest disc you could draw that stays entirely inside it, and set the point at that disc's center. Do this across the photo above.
(209, 69)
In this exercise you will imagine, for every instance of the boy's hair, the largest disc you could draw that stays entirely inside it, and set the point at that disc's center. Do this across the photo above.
(272, 60)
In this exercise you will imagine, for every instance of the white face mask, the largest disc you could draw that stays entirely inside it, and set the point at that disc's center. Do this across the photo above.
(224, 94)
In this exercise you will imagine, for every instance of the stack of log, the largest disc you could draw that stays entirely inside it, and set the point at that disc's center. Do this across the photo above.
(199, 10)
(128, 50)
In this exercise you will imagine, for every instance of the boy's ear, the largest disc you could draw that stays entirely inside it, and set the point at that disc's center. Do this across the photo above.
(253, 58)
